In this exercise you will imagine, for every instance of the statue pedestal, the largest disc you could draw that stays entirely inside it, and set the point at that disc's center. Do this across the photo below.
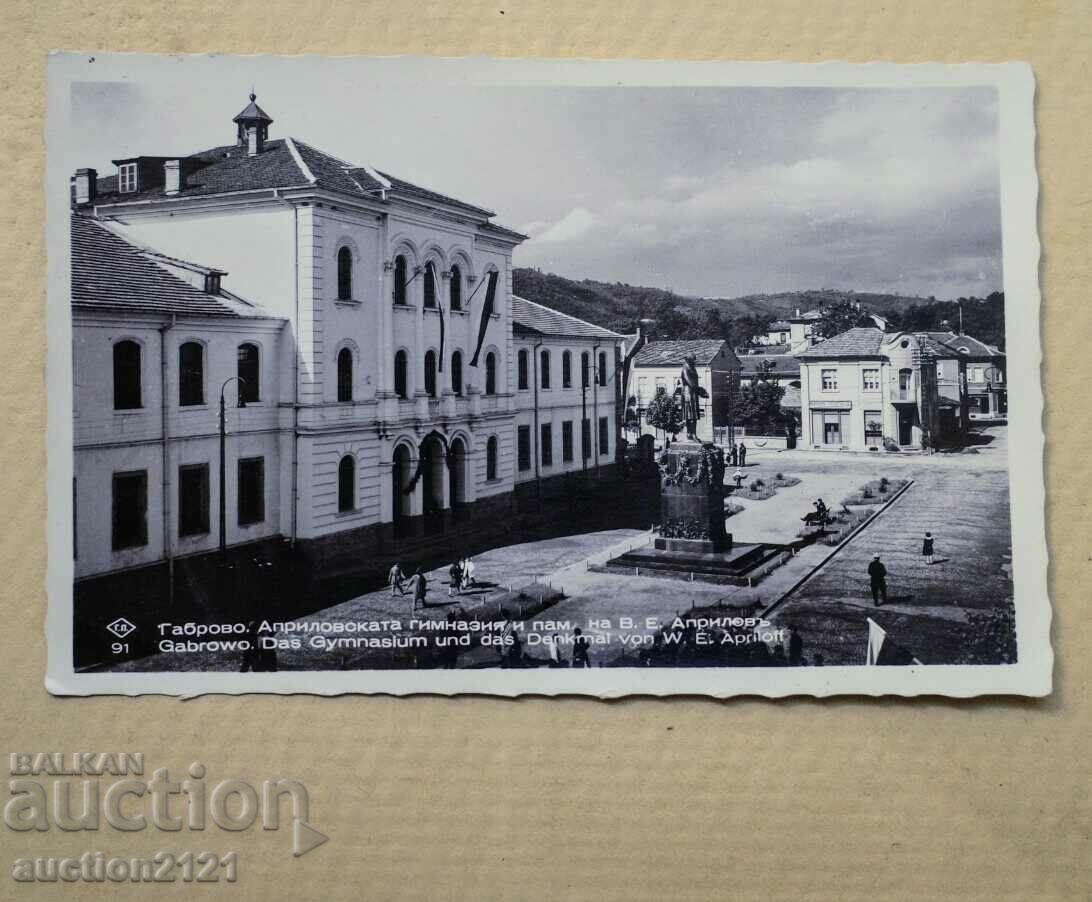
(692, 494)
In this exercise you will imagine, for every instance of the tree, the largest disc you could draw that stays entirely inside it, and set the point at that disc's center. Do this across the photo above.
(662, 413)
(758, 404)
(839, 318)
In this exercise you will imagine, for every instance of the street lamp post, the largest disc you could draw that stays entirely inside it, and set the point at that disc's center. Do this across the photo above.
(223, 461)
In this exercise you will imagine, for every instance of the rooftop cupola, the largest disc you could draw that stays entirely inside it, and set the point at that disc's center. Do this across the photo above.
(253, 128)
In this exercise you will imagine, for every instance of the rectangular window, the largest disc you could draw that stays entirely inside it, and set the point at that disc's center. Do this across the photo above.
(521, 370)
(130, 510)
(585, 438)
(604, 436)
(546, 445)
(871, 379)
(251, 490)
(193, 499)
(127, 178)
(567, 441)
(642, 389)
(830, 380)
(523, 447)
(566, 370)
(544, 366)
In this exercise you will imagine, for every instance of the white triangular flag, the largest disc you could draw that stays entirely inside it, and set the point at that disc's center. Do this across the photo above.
(876, 635)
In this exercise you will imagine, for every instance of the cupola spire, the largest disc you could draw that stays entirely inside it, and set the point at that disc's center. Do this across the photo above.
(252, 127)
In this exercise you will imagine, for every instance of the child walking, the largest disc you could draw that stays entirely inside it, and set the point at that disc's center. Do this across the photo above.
(927, 548)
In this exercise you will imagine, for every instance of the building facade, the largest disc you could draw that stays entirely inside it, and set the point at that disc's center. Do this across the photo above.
(657, 366)
(566, 377)
(866, 390)
(374, 315)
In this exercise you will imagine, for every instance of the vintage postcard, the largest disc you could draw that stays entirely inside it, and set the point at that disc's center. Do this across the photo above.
(539, 377)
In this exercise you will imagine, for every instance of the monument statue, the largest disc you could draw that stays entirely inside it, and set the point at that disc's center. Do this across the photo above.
(692, 392)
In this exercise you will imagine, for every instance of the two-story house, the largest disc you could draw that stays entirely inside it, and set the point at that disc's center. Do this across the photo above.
(865, 389)
(658, 364)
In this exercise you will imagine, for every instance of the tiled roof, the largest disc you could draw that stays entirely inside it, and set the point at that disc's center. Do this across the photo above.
(858, 342)
(779, 325)
(529, 318)
(783, 364)
(674, 353)
(283, 163)
(111, 274)
(975, 348)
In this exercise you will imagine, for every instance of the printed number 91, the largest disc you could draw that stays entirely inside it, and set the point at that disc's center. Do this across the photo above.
(119, 647)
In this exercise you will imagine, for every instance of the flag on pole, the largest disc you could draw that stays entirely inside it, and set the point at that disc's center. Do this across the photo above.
(487, 311)
(884, 651)
(876, 635)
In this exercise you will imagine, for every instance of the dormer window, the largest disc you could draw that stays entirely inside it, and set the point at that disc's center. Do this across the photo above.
(212, 283)
(127, 178)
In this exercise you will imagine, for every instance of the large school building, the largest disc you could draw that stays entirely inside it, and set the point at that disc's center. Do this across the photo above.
(380, 385)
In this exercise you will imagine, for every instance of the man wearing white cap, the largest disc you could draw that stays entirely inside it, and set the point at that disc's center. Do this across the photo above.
(877, 576)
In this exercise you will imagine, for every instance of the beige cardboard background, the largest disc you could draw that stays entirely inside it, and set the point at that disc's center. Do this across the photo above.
(640, 799)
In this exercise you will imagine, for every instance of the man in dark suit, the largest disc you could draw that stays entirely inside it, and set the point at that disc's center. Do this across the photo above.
(877, 575)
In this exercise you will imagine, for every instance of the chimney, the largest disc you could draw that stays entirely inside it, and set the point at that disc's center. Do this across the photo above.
(86, 182)
(172, 177)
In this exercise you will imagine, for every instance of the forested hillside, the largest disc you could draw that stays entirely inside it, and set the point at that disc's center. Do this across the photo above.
(619, 306)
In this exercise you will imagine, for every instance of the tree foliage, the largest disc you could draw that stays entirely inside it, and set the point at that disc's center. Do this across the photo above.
(662, 413)
(758, 403)
(983, 318)
(839, 318)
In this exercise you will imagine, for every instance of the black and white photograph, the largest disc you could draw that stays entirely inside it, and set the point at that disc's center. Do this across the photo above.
(405, 375)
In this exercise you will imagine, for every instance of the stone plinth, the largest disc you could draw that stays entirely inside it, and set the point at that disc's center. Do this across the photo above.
(692, 496)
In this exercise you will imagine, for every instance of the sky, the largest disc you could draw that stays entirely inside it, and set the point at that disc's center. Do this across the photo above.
(708, 191)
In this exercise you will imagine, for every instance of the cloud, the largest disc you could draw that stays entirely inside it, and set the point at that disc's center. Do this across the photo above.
(573, 226)
(893, 191)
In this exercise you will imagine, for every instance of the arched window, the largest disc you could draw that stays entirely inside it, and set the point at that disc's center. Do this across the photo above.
(400, 279)
(602, 368)
(491, 458)
(430, 373)
(430, 284)
(127, 394)
(585, 368)
(344, 274)
(457, 372)
(345, 375)
(521, 370)
(249, 371)
(566, 369)
(401, 374)
(346, 484)
(191, 374)
(455, 290)
(490, 373)
(544, 368)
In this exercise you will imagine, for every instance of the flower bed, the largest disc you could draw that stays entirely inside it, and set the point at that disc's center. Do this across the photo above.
(760, 489)
(878, 491)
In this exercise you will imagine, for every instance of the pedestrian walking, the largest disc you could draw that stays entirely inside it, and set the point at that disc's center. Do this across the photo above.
(468, 574)
(454, 579)
(742, 454)
(877, 577)
(738, 477)
(580, 649)
(396, 578)
(927, 548)
(796, 647)
(420, 589)
(734, 455)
